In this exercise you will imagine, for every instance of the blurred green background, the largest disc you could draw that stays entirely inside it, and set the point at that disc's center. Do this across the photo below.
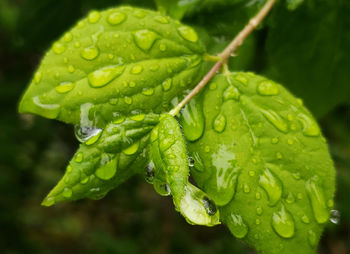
(133, 218)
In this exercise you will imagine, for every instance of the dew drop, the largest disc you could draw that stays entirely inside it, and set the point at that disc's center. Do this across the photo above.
(190, 162)
(231, 93)
(108, 168)
(68, 37)
(145, 39)
(128, 100)
(272, 185)
(212, 86)
(103, 76)
(257, 195)
(312, 238)
(94, 17)
(67, 193)
(83, 133)
(257, 221)
(283, 223)
(71, 68)
(81, 24)
(58, 48)
(237, 226)
(79, 157)
(137, 69)
(64, 87)
(37, 77)
(154, 67)
(241, 79)
(335, 216)
(274, 140)
(49, 201)
(139, 14)
(116, 18)
(267, 87)
(192, 120)
(161, 188)
(162, 47)
(167, 84)
(84, 180)
(275, 120)
(246, 188)
(209, 206)
(305, 219)
(138, 117)
(161, 19)
(252, 173)
(290, 198)
(219, 123)
(188, 33)
(149, 173)
(147, 91)
(310, 127)
(90, 53)
(316, 197)
(259, 210)
(132, 149)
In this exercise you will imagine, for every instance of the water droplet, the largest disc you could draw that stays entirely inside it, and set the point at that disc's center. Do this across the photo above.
(90, 53)
(37, 77)
(161, 19)
(296, 176)
(161, 188)
(279, 155)
(290, 198)
(316, 197)
(312, 238)
(147, 91)
(69, 169)
(259, 210)
(188, 33)
(149, 173)
(305, 219)
(283, 223)
(94, 17)
(49, 201)
(79, 157)
(290, 117)
(71, 68)
(257, 195)
(300, 101)
(128, 100)
(219, 123)
(267, 87)
(67, 192)
(154, 67)
(207, 149)
(77, 44)
(137, 69)
(108, 168)
(68, 37)
(132, 149)
(242, 79)
(139, 14)
(310, 127)
(290, 141)
(231, 93)
(209, 206)
(257, 221)
(167, 84)
(103, 76)
(58, 48)
(212, 86)
(51, 110)
(237, 226)
(81, 24)
(138, 117)
(84, 133)
(190, 162)
(162, 47)
(84, 180)
(274, 140)
(330, 203)
(272, 185)
(116, 18)
(335, 216)
(145, 39)
(93, 139)
(64, 87)
(252, 173)
(246, 188)
(192, 120)
(275, 120)
(300, 196)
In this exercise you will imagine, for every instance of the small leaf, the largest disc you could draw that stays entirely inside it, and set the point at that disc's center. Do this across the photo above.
(105, 160)
(117, 61)
(264, 162)
(168, 153)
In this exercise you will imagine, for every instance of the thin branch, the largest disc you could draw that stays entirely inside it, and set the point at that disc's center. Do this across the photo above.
(224, 55)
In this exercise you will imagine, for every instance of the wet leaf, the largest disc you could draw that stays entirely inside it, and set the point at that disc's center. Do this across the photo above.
(168, 153)
(264, 162)
(119, 60)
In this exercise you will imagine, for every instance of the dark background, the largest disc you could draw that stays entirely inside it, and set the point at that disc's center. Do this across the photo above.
(133, 218)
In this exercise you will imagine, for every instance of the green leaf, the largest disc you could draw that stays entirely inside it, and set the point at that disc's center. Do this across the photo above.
(168, 153)
(307, 50)
(106, 159)
(118, 61)
(264, 162)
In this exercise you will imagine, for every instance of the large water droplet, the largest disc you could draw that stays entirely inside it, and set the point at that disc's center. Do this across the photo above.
(58, 48)
(132, 149)
(161, 187)
(116, 18)
(103, 76)
(219, 123)
(188, 33)
(283, 223)
(237, 226)
(90, 53)
(272, 185)
(67, 192)
(318, 203)
(64, 87)
(267, 87)
(84, 133)
(310, 127)
(192, 120)
(197, 208)
(94, 17)
(107, 169)
(51, 110)
(275, 119)
(231, 93)
(145, 39)
(335, 216)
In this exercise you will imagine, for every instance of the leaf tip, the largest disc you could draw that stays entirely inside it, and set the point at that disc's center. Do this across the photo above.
(48, 201)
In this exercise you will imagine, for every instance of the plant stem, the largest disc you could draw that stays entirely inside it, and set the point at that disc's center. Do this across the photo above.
(224, 55)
